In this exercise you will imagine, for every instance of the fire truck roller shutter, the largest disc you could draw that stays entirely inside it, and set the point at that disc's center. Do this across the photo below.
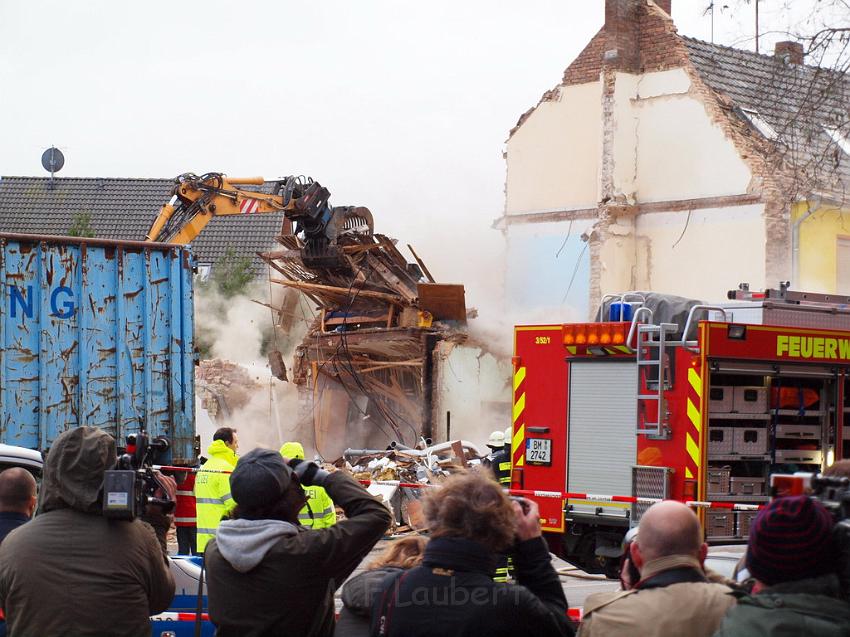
(602, 442)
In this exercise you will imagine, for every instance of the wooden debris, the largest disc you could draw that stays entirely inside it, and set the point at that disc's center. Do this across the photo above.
(366, 357)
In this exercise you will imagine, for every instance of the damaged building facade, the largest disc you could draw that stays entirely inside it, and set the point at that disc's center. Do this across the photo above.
(665, 163)
(390, 361)
(387, 357)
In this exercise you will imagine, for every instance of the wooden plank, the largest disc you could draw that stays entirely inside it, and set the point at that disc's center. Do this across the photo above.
(443, 300)
(388, 365)
(401, 287)
(391, 250)
(318, 288)
(421, 263)
(350, 320)
(457, 448)
(285, 273)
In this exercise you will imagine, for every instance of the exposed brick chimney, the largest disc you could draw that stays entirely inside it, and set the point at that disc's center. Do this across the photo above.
(666, 5)
(790, 52)
(622, 50)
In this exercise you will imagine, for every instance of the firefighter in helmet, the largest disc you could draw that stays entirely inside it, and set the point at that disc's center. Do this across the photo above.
(499, 459)
(319, 512)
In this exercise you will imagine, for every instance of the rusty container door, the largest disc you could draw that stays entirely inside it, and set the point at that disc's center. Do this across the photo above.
(95, 333)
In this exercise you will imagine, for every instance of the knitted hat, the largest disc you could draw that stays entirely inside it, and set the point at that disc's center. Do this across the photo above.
(260, 477)
(791, 539)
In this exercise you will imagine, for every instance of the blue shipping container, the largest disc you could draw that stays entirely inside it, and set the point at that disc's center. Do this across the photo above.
(95, 333)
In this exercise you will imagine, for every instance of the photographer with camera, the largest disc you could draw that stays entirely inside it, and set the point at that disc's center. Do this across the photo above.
(72, 571)
(268, 575)
(794, 557)
(668, 593)
(471, 520)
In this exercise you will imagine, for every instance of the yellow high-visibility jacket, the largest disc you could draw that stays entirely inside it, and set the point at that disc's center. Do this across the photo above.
(319, 512)
(212, 491)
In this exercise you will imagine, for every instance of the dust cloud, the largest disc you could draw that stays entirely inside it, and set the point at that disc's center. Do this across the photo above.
(241, 331)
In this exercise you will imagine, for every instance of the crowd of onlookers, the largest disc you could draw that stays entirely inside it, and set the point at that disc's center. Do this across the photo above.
(72, 571)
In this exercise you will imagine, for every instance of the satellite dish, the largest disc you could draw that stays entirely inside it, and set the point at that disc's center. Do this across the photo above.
(52, 160)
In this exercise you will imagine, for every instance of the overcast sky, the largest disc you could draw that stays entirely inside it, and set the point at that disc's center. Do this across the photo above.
(403, 107)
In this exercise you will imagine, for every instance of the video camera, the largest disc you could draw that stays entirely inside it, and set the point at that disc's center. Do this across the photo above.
(833, 492)
(133, 484)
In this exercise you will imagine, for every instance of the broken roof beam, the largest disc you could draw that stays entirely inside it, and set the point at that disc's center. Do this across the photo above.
(402, 287)
(421, 263)
(318, 288)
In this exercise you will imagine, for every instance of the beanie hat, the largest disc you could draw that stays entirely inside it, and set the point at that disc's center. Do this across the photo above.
(292, 450)
(791, 539)
(260, 477)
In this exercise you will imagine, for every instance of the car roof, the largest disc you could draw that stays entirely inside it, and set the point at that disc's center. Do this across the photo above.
(21, 456)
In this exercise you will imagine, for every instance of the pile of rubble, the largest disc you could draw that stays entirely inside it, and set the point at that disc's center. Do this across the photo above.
(366, 361)
(399, 475)
(424, 465)
(224, 387)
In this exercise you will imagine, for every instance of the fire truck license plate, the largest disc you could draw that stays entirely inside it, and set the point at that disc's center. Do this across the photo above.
(538, 451)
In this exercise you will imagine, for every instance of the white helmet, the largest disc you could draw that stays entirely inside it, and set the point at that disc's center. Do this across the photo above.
(496, 439)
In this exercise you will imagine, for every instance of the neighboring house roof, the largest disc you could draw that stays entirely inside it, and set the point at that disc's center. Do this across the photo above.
(799, 103)
(794, 104)
(123, 209)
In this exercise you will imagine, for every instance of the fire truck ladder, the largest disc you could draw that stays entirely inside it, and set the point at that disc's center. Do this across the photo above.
(651, 347)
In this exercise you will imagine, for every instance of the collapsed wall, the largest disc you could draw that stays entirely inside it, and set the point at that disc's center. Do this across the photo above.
(386, 358)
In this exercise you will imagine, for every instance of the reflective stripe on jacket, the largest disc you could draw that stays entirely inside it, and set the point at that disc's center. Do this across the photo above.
(184, 512)
(212, 491)
(319, 512)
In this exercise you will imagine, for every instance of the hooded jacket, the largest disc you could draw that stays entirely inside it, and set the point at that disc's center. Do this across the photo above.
(804, 607)
(212, 491)
(70, 571)
(269, 578)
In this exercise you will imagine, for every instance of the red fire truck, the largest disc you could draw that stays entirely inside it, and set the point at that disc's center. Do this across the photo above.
(674, 399)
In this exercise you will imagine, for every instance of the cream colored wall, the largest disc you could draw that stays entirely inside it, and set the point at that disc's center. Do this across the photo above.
(475, 387)
(666, 147)
(818, 247)
(552, 159)
(720, 248)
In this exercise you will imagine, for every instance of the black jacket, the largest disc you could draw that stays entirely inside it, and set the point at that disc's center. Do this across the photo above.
(290, 589)
(9, 521)
(453, 593)
(357, 596)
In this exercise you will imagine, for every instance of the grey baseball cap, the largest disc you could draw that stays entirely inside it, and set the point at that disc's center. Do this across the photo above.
(260, 477)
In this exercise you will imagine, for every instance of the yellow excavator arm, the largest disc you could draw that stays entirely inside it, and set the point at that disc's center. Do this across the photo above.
(197, 199)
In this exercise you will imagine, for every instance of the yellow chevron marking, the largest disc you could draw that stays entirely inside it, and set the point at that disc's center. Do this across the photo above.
(516, 444)
(624, 349)
(694, 416)
(693, 449)
(688, 473)
(572, 349)
(519, 436)
(519, 377)
(519, 407)
(695, 381)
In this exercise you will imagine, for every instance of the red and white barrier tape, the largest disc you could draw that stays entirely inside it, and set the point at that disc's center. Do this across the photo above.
(178, 617)
(558, 495)
(629, 499)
